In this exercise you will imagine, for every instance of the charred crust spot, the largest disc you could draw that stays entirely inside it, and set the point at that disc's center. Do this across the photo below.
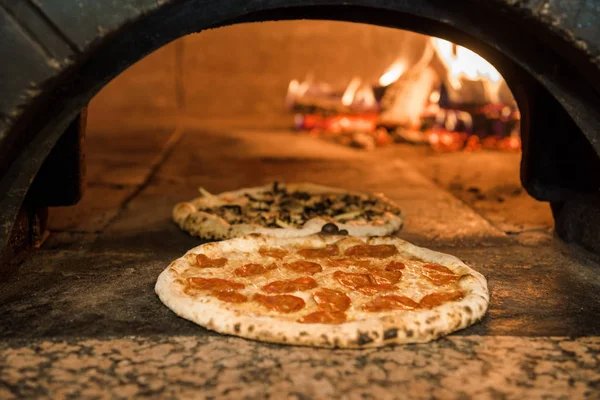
(303, 333)
(254, 234)
(336, 342)
(409, 333)
(325, 339)
(431, 331)
(468, 310)
(251, 328)
(236, 328)
(391, 333)
(432, 319)
(364, 338)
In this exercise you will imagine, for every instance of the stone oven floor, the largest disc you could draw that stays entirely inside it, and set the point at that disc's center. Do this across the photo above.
(79, 317)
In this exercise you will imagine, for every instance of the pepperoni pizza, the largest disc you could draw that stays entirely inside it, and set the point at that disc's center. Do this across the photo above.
(290, 210)
(324, 290)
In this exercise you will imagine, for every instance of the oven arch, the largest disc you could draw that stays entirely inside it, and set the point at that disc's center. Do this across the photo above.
(61, 53)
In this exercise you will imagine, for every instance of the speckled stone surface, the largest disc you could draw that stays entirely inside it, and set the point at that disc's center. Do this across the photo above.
(226, 367)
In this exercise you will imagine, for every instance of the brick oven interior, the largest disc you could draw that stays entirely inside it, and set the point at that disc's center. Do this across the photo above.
(207, 110)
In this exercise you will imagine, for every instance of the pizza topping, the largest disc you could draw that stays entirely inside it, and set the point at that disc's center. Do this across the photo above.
(292, 285)
(330, 228)
(376, 289)
(272, 252)
(436, 299)
(283, 207)
(390, 277)
(302, 266)
(390, 302)
(349, 262)
(214, 284)
(331, 300)
(229, 296)
(370, 250)
(253, 269)
(364, 283)
(395, 266)
(206, 262)
(438, 274)
(352, 280)
(324, 317)
(284, 303)
(327, 251)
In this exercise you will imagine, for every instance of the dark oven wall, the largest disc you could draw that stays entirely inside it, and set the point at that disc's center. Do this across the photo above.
(60, 53)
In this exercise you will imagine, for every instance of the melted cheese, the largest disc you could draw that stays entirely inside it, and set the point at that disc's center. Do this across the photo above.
(412, 285)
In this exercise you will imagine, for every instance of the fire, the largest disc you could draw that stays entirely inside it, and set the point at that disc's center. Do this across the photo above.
(450, 98)
(348, 97)
(358, 94)
(393, 73)
(462, 63)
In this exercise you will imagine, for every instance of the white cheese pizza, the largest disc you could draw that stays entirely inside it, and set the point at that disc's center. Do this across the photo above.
(287, 211)
(324, 290)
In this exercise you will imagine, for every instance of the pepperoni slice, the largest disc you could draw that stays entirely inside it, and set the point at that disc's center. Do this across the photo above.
(395, 266)
(293, 285)
(206, 262)
(372, 250)
(332, 300)
(214, 284)
(389, 277)
(284, 303)
(272, 252)
(436, 299)
(391, 302)
(253, 269)
(438, 274)
(327, 251)
(352, 280)
(349, 262)
(324, 317)
(229, 296)
(307, 267)
(364, 283)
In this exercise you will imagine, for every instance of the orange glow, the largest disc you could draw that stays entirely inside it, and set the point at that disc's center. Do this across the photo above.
(350, 92)
(462, 63)
(393, 73)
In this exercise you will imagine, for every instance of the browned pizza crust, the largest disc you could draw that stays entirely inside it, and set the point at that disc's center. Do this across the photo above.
(360, 326)
(227, 214)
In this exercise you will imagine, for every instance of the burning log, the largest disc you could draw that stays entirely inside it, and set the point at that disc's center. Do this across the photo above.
(450, 98)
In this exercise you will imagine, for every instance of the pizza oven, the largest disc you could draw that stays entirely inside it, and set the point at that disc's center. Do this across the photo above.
(480, 119)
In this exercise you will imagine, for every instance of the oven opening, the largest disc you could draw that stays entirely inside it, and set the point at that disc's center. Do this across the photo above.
(315, 105)
(431, 124)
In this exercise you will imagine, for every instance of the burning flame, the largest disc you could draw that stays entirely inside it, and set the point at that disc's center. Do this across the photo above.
(350, 91)
(296, 89)
(358, 93)
(394, 72)
(462, 63)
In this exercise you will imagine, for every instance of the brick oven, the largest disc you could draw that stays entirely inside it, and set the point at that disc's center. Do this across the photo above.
(112, 112)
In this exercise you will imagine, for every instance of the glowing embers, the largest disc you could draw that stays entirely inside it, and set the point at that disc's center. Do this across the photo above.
(448, 97)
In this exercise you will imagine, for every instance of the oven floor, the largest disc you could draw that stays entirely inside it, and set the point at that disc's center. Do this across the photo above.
(88, 292)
